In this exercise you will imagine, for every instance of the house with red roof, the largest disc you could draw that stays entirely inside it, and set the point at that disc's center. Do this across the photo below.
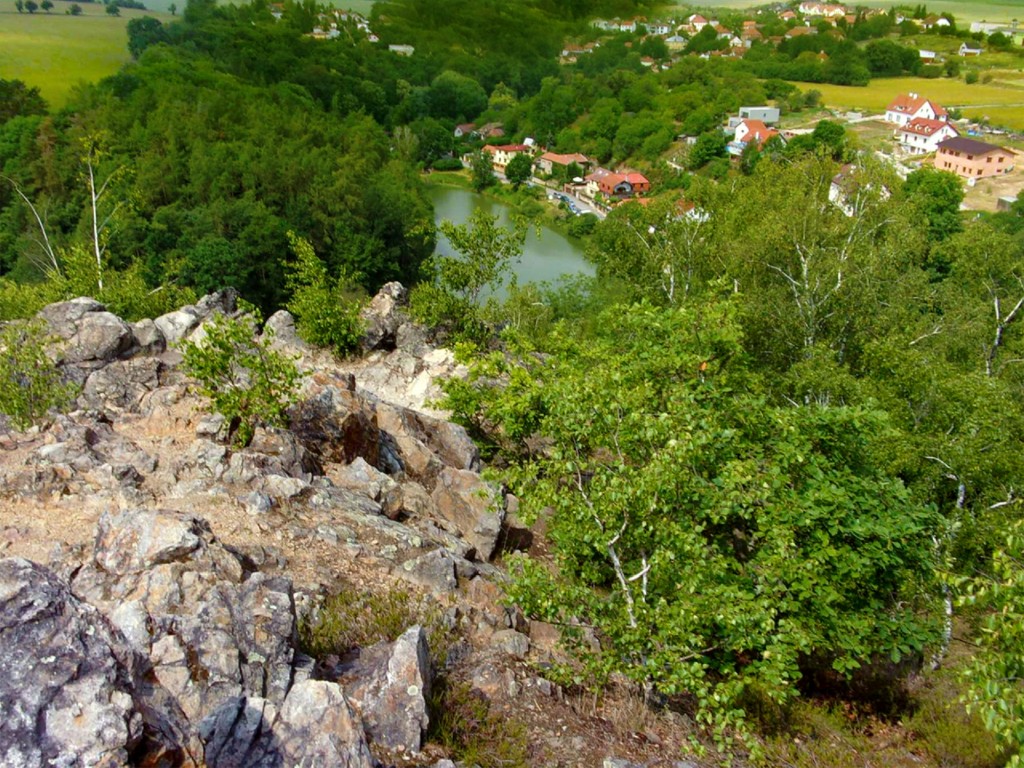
(922, 136)
(908, 106)
(623, 185)
(697, 21)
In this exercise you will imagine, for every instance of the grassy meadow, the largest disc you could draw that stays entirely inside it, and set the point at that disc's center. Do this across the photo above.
(962, 10)
(55, 51)
(1001, 101)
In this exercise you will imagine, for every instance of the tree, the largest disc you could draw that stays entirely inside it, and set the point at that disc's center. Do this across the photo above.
(708, 146)
(718, 544)
(31, 6)
(20, 5)
(112, 9)
(143, 33)
(173, 8)
(326, 311)
(247, 381)
(46, 5)
(937, 195)
(75, 9)
(482, 171)
(16, 99)
(995, 673)
(481, 259)
(30, 383)
(519, 169)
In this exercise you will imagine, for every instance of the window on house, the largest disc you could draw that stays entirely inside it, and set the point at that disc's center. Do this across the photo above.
(970, 157)
(979, 172)
(988, 159)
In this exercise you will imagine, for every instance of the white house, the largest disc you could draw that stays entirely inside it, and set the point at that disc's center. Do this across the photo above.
(921, 136)
(908, 106)
(825, 10)
(969, 49)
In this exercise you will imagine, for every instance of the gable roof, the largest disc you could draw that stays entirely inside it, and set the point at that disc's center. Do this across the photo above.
(557, 159)
(910, 103)
(921, 126)
(506, 148)
(971, 146)
(757, 130)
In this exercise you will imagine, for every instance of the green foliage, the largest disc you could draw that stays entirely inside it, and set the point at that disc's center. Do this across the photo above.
(144, 32)
(996, 673)
(519, 169)
(937, 195)
(484, 253)
(713, 540)
(16, 98)
(357, 619)
(30, 384)
(247, 381)
(473, 731)
(326, 311)
(708, 146)
(482, 171)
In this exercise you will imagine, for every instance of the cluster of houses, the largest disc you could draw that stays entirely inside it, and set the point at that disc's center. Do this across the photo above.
(923, 127)
(805, 20)
(593, 183)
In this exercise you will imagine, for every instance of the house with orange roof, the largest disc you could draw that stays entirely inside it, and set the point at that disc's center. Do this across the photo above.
(551, 163)
(922, 136)
(908, 106)
(799, 31)
(826, 10)
(697, 21)
(787, 15)
(623, 185)
(753, 130)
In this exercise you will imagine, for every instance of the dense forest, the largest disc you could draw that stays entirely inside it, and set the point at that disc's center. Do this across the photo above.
(776, 442)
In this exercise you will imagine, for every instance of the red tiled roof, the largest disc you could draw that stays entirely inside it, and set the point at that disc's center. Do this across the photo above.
(506, 148)
(924, 127)
(908, 104)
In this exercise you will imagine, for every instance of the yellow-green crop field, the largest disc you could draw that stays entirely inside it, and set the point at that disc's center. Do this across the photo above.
(1001, 101)
(962, 10)
(55, 51)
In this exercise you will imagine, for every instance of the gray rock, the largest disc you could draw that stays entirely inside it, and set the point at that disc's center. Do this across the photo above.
(65, 676)
(389, 683)
(425, 444)
(183, 600)
(90, 335)
(283, 335)
(360, 477)
(618, 762)
(133, 541)
(512, 643)
(314, 727)
(336, 424)
(383, 317)
(176, 326)
(121, 385)
(473, 506)
(434, 570)
(148, 338)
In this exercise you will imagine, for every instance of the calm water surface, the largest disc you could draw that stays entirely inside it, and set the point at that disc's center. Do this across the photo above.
(546, 258)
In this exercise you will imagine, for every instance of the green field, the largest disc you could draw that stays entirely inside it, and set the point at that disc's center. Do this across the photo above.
(965, 10)
(56, 51)
(1002, 101)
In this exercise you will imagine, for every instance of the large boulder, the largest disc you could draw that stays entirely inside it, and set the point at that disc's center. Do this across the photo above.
(210, 630)
(383, 316)
(473, 507)
(121, 385)
(389, 683)
(90, 337)
(66, 676)
(334, 423)
(315, 726)
(421, 446)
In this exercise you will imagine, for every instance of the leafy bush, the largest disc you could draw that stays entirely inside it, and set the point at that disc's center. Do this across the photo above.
(448, 164)
(584, 225)
(30, 384)
(464, 722)
(326, 311)
(247, 381)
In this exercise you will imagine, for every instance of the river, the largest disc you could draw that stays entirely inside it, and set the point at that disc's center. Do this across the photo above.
(546, 257)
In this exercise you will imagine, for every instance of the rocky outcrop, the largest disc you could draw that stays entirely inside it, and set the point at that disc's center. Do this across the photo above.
(473, 508)
(383, 317)
(69, 682)
(389, 683)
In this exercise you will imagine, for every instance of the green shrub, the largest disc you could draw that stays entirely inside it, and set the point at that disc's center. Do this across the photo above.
(354, 619)
(971, 77)
(464, 722)
(30, 384)
(448, 164)
(326, 311)
(247, 381)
